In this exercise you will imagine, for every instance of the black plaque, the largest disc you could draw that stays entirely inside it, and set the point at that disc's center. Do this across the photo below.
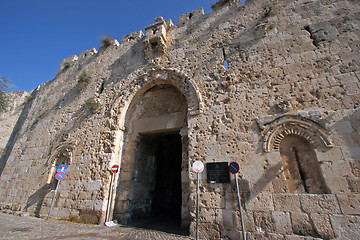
(218, 172)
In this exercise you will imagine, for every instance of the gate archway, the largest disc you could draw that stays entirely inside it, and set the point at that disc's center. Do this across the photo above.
(153, 158)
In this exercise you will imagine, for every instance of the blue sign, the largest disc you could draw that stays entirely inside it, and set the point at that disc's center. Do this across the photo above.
(60, 176)
(234, 167)
(62, 168)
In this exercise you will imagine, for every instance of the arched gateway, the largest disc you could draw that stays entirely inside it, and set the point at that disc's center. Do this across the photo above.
(154, 154)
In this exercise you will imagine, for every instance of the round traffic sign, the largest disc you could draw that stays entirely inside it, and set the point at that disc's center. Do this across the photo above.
(198, 166)
(60, 176)
(234, 167)
(115, 168)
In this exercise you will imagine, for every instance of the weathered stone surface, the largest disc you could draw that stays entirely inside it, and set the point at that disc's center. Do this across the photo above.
(271, 85)
(282, 222)
(322, 225)
(312, 203)
(345, 227)
(287, 202)
(301, 224)
(349, 203)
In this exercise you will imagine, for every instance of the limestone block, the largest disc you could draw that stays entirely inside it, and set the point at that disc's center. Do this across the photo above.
(211, 200)
(263, 221)
(287, 202)
(207, 215)
(206, 231)
(330, 154)
(251, 172)
(248, 218)
(225, 218)
(335, 169)
(342, 127)
(354, 184)
(301, 224)
(313, 203)
(264, 236)
(351, 153)
(345, 227)
(349, 203)
(94, 185)
(279, 186)
(260, 201)
(338, 185)
(322, 225)
(231, 234)
(282, 222)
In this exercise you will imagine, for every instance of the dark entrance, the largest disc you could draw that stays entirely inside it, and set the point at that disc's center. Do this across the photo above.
(163, 185)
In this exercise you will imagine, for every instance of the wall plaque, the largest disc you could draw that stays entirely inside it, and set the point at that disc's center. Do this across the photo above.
(218, 172)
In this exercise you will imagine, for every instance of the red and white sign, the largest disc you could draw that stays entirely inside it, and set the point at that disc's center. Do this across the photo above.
(198, 166)
(115, 168)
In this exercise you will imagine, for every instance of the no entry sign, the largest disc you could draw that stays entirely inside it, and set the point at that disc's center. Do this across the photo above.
(60, 176)
(198, 166)
(115, 168)
(234, 167)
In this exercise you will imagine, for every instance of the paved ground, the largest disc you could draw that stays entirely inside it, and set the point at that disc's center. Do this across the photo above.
(15, 227)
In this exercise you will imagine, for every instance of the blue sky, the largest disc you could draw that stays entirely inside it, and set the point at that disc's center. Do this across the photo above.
(36, 35)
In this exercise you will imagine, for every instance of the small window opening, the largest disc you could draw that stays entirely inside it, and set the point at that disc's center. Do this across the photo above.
(191, 15)
(101, 89)
(154, 45)
(226, 64)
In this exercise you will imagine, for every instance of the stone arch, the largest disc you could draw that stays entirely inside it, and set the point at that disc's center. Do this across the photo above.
(286, 125)
(155, 77)
(62, 154)
(143, 134)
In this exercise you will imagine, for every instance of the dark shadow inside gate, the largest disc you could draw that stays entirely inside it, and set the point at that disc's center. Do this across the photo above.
(158, 182)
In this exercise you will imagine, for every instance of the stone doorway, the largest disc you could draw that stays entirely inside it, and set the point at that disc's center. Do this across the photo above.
(158, 166)
(151, 192)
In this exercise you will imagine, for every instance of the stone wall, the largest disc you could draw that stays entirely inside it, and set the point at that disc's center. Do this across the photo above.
(8, 118)
(292, 72)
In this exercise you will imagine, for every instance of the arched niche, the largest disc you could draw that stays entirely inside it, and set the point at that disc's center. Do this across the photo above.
(296, 138)
(62, 154)
(286, 125)
(300, 166)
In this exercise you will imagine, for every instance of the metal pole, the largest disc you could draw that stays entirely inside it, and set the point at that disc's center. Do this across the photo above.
(52, 203)
(110, 198)
(197, 208)
(240, 207)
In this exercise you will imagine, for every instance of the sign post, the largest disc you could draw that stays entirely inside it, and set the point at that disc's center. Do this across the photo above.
(59, 176)
(198, 167)
(234, 169)
(114, 170)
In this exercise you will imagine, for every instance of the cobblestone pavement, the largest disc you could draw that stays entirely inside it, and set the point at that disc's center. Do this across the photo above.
(16, 227)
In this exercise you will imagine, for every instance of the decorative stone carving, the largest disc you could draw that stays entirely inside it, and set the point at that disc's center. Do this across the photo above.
(283, 106)
(276, 130)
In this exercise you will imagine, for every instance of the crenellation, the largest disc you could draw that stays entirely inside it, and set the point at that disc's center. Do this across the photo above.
(87, 53)
(184, 18)
(135, 36)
